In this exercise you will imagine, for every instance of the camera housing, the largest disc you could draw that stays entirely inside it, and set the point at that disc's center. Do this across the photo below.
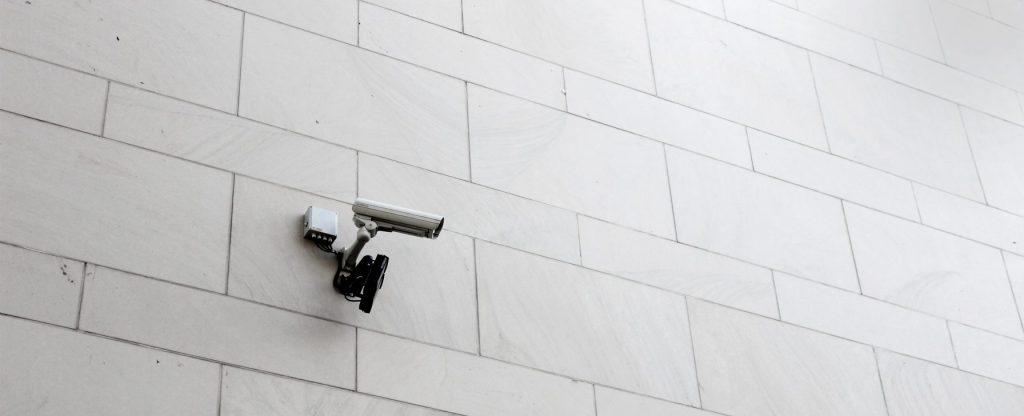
(359, 282)
(398, 219)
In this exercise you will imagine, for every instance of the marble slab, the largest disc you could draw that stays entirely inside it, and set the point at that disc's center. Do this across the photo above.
(113, 204)
(48, 92)
(895, 128)
(51, 371)
(232, 143)
(567, 161)
(760, 219)
(741, 75)
(462, 383)
(187, 49)
(218, 327)
(751, 365)
(918, 388)
(583, 324)
(931, 271)
(352, 97)
(40, 287)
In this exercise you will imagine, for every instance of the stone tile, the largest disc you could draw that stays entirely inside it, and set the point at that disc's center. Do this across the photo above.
(250, 393)
(187, 49)
(53, 371)
(51, 93)
(742, 75)
(712, 7)
(998, 148)
(578, 336)
(113, 204)
(750, 365)
(981, 46)
(919, 388)
(218, 327)
(336, 19)
(907, 24)
(429, 293)
(977, 6)
(464, 383)
(352, 97)
(949, 83)
(472, 209)
(895, 128)
(612, 402)
(461, 56)
(1015, 269)
(750, 216)
(970, 219)
(602, 38)
(656, 118)
(863, 319)
(928, 270)
(447, 13)
(804, 30)
(676, 267)
(832, 175)
(1010, 12)
(536, 152)
(232, 143)
(989, 354)
(39, 286)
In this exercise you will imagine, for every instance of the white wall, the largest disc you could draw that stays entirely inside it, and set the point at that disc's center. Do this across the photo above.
(701, 207)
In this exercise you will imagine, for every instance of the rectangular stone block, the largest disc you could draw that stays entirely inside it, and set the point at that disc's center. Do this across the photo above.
(462, 383)
(218, 327)
(186, 49)
(108, 203)
(50, 371)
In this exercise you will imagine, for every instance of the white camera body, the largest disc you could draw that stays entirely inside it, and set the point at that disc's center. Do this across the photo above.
(395, 218)
(359, 279)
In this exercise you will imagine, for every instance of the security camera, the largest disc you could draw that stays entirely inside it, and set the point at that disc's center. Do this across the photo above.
(395, 218)
(359, 281)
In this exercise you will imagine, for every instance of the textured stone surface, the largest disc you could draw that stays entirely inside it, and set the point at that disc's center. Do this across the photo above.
(608, 40)
(863, 319)
(750, 365)
(744, 76)
(919, 388)
(759, 219)
(895, 128)
(533, 151)
(218, 327)
(248, 393)
(187, 49)
(460, 56)
(676, 267)
(76, 195)
(54, 371)
(39, 286)
(205, 136)
(623, 320)
(463, 383)
(653, 207)
(358, 99)
(931, 271)
(51, 93)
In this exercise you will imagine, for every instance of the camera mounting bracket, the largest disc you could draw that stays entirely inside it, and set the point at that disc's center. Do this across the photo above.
(358, 279)
(349, 255)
